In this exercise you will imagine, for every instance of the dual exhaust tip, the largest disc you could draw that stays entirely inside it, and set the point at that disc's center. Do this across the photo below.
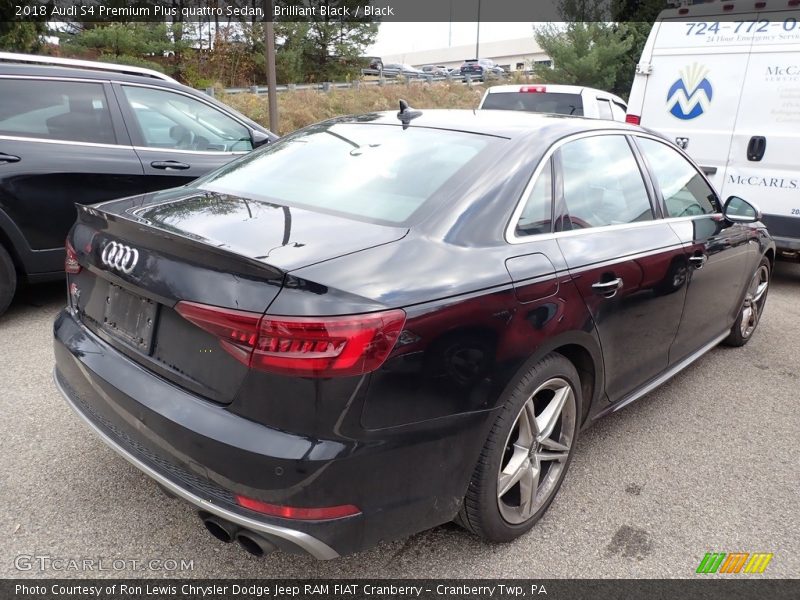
(227, 532)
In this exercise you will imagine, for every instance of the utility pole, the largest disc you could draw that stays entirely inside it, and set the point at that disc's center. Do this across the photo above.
(478, 36)
(272, 80)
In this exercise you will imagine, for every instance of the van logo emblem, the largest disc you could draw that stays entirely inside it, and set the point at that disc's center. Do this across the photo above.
(122, 258)
(689, 97)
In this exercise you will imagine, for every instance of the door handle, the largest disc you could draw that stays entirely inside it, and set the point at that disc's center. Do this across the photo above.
(756, 148)
(608, 289)
(169, 165)
(9, 158)
(698, 261)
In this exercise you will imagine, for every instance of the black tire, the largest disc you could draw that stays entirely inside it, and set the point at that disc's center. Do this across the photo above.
(483, 512)
(752, 306)
(8, 280)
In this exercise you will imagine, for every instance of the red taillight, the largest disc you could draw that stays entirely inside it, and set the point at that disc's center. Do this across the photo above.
(533, 89)
(302, 346)
(293, 512)
(633, 119)
(71, 264)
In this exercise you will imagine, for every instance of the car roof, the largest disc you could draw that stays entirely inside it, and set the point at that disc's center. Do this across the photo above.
(502, 123)
(553, 87)
(37, 70)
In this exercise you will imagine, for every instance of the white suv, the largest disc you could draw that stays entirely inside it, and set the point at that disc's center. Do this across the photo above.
(555, 99)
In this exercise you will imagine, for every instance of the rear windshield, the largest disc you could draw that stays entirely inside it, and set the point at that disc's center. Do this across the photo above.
(376, 172)
(540, 102)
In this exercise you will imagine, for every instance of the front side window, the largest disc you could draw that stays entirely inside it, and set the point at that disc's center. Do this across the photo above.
(375, 172)
(536, 215)
(602, 183)
(684, 190)
(173, 121)
(55, 110)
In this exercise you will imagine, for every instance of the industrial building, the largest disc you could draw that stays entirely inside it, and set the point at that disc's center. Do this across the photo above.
(513, 55)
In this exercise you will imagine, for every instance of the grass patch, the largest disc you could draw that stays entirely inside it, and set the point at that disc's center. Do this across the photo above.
(297, 109)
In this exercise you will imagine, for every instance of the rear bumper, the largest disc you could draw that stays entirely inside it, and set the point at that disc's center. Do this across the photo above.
(303, 541)
(204, 453)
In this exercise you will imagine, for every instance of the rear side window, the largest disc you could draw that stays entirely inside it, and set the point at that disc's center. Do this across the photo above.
(540, 102)
(604, 109)
(377, 172)
(537, 213)
(602, 183)
(684, 190)
(55, 110)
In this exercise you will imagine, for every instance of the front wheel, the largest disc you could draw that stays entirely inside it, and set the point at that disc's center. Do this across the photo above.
(526, 454)
(752, 306)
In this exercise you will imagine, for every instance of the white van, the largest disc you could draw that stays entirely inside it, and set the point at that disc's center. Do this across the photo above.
(575, 100)
(722, 80)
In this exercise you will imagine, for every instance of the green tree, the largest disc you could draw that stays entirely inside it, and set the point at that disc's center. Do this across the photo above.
(601, 43)
(325, 48)
(634, 20)
(122, 39)
(16, 36)
(582, 53)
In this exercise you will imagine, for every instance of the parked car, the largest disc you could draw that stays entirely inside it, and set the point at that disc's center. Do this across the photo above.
(572, 100)
(435, 70)
(481, 69)
(394, 69)
(375, 63)
(83, 132)
(413, 331)
(724, 87)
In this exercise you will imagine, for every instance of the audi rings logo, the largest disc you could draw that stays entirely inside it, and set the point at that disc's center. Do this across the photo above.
(122, 258)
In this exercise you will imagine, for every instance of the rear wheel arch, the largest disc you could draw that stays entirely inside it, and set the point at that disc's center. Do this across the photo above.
(585, 365)
(583, 351)
(770, 255)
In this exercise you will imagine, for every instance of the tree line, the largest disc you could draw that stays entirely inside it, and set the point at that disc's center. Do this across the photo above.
(598, 45)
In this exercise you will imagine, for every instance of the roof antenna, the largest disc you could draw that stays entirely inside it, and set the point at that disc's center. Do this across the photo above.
(407, 113)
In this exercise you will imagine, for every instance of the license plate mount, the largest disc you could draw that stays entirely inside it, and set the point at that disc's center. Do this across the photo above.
(130, 318)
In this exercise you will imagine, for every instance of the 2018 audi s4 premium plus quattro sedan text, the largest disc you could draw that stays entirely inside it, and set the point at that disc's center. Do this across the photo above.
(381, 323)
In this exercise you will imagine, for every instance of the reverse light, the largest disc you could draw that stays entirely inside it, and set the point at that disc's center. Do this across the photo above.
(633, 119)
(293, 512)
(71, 264)
(301, 346)
(533, 89)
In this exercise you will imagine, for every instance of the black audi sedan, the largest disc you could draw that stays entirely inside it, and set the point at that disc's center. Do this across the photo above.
(385, 322)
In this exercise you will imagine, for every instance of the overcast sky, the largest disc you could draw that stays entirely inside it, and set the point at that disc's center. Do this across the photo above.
(396, 38)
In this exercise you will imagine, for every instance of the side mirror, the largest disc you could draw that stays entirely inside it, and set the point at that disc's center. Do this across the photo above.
(738, 210)
(259, 138)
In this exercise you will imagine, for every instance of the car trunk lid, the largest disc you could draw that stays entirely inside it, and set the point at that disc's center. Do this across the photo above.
(141, 256)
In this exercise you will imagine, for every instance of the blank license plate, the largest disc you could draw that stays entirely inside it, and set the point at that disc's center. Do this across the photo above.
(130, 318)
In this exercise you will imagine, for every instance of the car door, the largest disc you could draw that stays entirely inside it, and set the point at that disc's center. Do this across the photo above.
(179, 137)
(625, 261)
(722, 255)
(61, 142)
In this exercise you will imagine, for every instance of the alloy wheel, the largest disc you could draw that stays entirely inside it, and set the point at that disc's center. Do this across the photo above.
(536, 451)
(754, 301)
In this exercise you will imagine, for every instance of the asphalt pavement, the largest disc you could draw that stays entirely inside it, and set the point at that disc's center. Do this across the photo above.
(706, 463)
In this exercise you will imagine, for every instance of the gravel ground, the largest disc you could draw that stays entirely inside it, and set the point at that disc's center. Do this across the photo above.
(708, 462)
